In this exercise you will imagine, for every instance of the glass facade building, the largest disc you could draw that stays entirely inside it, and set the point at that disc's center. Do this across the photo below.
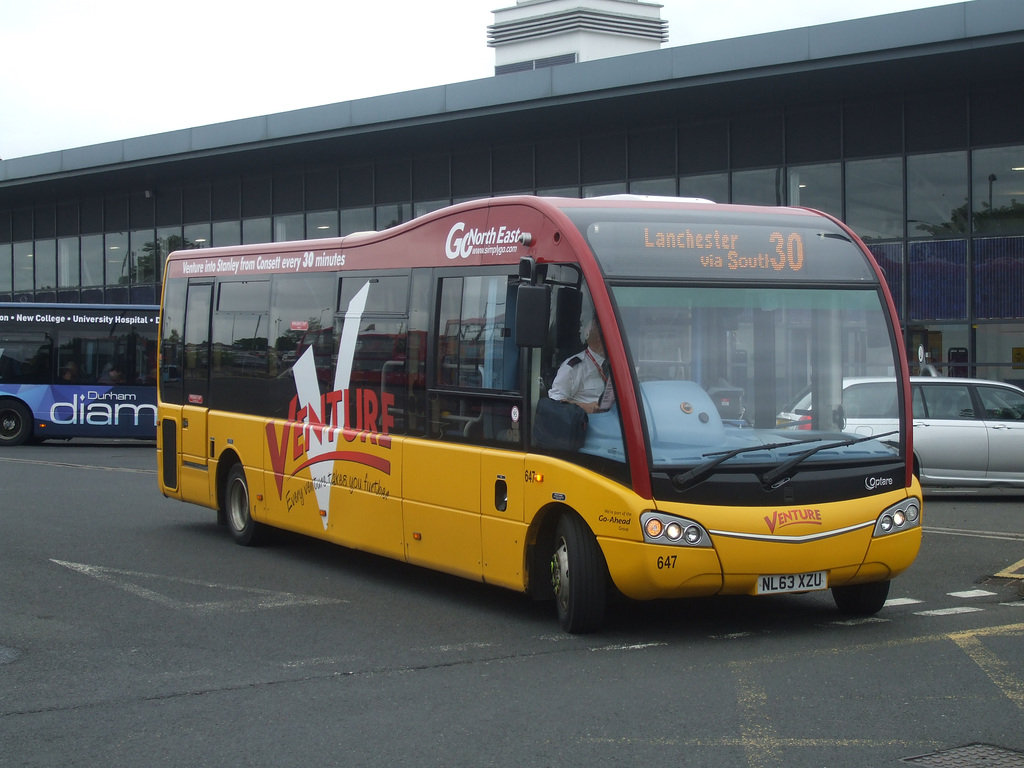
(920, 151)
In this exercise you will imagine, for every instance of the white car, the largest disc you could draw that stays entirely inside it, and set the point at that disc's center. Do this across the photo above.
(966, 431)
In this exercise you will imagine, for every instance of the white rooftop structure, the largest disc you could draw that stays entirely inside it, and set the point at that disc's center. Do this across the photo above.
(542, 33)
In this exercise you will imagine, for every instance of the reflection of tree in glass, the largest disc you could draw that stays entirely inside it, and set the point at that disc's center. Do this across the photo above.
(286, 343)
(293, 339)
(172, 348)
(1006, 219)
(957, 224)
(146, 268)
(145, 263)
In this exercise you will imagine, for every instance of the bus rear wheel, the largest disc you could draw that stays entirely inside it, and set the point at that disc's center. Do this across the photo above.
(578, 577)
(861, 599)
(237, 512)
(15, 423)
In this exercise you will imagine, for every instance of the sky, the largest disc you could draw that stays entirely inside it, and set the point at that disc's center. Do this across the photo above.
(75, 73)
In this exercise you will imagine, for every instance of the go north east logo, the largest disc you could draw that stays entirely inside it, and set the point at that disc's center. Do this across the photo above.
(323, 429)
(496, 241)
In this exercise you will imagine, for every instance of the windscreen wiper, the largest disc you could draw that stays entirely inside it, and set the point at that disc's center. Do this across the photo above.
(772, 475)
(685, 479)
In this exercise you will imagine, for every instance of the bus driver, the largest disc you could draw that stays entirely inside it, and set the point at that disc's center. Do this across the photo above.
(585, 378)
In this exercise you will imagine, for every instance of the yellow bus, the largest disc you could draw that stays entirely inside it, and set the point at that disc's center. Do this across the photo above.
(563, 397)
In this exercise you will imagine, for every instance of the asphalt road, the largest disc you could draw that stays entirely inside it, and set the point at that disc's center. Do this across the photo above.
(133, 632)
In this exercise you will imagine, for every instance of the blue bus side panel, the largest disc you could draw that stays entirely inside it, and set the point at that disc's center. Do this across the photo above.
(98, 410)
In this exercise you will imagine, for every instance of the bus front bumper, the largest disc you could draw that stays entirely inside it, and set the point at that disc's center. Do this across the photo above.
(734, 566)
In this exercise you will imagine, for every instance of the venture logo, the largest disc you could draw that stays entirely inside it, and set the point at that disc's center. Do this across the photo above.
(792, 517)
(320, 426)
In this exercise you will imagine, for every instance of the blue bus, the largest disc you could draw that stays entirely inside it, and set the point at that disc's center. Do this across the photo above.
(77, 370)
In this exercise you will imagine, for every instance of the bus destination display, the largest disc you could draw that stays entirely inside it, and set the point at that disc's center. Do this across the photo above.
(718, 250)
(723, 250)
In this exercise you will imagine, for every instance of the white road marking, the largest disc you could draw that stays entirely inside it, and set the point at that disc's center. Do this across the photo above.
(251, 599)
(948, 611)
(859, 621)
(635, 647)
(969, 593)
(1001, 535)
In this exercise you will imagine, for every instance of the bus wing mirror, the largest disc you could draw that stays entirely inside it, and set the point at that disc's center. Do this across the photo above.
(533, 303)
(527, 269)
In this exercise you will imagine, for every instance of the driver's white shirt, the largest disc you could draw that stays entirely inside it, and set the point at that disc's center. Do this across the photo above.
(579, 378)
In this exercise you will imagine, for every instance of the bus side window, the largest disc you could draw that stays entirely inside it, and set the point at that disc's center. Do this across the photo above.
(477, 355)
(475, 345)
(172, 333)
(301, 318)
(238, 365)
(25, 359)
(478, 420)
(379, 373)
(416, 353)
(39, 365)
(567, 331)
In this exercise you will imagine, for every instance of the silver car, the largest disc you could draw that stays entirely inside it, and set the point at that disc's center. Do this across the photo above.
(966, 431)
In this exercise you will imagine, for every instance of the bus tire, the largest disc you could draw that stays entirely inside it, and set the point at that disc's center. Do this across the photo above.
(237, 512)
(861, 599)
(578, 576)
(15, 423)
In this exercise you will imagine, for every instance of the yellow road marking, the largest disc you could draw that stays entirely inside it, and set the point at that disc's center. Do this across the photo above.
(759, 739)
(1015, 571)
(998, 670)
(763, 746)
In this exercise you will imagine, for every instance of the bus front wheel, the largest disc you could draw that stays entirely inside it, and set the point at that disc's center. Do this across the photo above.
(15, 423)
(861, 599)
(244, 530)
(578, 576)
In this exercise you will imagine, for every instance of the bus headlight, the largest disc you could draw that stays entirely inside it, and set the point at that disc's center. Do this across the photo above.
(899, 517)
(660, 528)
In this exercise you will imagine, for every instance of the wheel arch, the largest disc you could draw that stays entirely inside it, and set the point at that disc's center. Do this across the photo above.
(24, 411)
(228, 459)
(540, 542)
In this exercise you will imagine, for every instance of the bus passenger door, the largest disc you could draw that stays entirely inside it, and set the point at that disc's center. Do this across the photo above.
(441, 506)
(502, 530)
(195, 483)
(452, 484)
(463, 491)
